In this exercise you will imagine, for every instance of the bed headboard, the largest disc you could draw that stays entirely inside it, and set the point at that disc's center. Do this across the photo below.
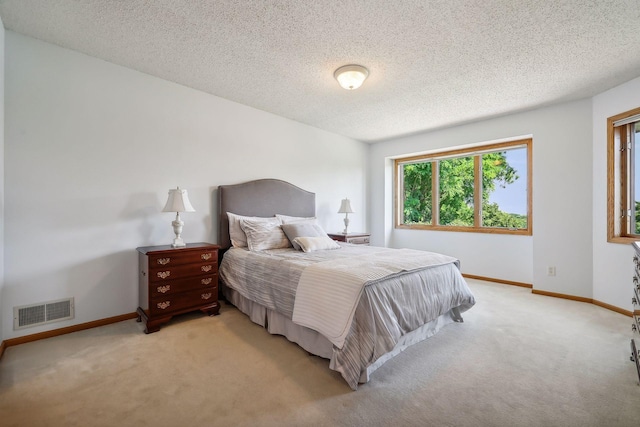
(263, 197)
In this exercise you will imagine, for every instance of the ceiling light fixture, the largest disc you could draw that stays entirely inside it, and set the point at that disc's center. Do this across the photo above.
(351, 76)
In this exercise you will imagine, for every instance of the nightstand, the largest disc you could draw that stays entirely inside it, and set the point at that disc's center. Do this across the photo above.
(355, 238)
(176, 280)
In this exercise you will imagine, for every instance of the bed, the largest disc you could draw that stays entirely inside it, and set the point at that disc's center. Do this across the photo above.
(383, 301)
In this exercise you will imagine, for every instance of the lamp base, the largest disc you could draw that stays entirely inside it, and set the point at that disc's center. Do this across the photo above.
(177, 229)
(178, 243)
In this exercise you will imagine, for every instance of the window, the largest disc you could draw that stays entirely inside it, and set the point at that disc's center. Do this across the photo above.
(484, 189)
(623, 180)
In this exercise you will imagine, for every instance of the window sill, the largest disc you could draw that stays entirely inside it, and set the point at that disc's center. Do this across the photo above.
(623, 240)
(465, 229)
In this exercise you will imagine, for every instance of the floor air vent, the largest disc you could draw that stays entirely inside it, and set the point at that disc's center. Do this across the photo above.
(46, 312)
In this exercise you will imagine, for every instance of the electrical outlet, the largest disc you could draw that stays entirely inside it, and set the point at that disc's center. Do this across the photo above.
(551, 271)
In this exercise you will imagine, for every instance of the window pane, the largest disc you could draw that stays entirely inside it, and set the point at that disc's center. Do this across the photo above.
(456, 191)
(504, 189)
(417, 193)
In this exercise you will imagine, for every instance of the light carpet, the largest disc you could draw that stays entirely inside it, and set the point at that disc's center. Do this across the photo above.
(518, 360)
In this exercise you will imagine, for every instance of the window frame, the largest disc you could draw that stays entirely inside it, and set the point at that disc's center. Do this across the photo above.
(618, 183)
(476, 152)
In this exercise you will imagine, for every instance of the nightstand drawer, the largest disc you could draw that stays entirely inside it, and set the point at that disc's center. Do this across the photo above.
(353, 238)
(169, 287)
(363, 240)
(181, 271)
(184, 300)
(161, 260)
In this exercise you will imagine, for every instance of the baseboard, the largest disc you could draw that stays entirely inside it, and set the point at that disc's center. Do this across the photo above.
(613, 308)
(583, 299)
(102, 322)
(67, 330)
(563, 296)
(553, 294)
(504, 282)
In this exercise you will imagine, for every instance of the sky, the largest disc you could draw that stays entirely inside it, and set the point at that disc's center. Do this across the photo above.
(513, 198)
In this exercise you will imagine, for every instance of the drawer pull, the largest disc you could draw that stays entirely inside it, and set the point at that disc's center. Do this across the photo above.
(206, 281)
(164, 305)
(164, 261)
(634, 301)
(206, 296)
(206, 256)
(164, 274)
(206, 268)
(164, 289)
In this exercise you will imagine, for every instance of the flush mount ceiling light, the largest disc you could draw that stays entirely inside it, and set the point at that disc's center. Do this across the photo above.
(351, 76)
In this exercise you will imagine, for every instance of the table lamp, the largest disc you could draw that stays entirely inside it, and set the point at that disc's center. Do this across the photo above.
(177, 202)
(345, 208)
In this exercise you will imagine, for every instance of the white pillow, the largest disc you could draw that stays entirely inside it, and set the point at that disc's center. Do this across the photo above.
(237, 235)
(286, 219)
(302, 229)
(263, 235)
(310, 244)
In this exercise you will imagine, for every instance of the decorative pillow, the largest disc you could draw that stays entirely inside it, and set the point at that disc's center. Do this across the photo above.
(237, 235)
(263, 235)
(302, 229)
(310, 244)
(286, 219)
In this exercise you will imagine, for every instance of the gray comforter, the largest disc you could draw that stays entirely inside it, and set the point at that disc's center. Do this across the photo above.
(387, 310)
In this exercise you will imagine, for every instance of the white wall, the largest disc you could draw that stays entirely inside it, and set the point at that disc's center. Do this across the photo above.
(1, 174)
(612, 266)
(561, 191)
(91, 151)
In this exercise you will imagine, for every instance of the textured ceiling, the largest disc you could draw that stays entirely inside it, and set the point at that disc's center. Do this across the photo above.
(432, 63)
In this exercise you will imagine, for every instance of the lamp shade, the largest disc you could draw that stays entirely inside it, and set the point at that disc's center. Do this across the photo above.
(178, 201)
(345, 206)
(351, 76)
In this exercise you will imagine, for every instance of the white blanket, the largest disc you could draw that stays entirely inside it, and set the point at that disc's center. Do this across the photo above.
(328, 292)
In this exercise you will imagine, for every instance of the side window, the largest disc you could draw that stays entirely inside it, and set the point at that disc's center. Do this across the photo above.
(623, 177)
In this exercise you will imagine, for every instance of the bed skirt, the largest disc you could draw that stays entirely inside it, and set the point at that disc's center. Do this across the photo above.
(314, 343)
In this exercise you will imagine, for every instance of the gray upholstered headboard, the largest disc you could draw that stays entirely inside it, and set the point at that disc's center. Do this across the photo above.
(263, 197)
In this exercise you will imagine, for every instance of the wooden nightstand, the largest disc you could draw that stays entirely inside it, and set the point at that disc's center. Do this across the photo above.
(355, 238)
(175, 281)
